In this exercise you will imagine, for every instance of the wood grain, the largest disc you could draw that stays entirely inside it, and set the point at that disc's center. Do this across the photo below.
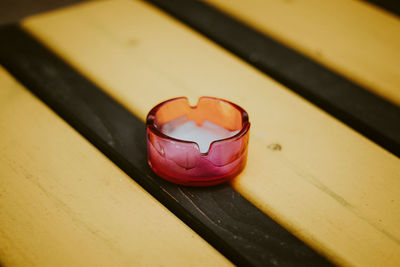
(330, 186)
(65, 204)
(351, 37)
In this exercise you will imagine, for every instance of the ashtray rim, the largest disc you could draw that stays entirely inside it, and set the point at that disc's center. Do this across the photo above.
(150, 122)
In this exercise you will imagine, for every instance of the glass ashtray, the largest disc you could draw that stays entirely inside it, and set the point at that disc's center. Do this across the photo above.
(198, 145)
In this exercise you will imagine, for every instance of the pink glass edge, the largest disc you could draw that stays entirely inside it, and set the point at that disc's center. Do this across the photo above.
(151, 116)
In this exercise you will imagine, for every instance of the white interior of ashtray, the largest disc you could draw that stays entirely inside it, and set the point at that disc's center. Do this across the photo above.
(203, 135)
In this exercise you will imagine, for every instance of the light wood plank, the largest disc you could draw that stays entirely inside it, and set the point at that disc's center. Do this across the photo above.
(63, 203)
(329, 185)
(354, 38)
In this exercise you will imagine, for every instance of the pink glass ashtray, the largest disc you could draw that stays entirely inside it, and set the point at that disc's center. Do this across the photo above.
(197, 146)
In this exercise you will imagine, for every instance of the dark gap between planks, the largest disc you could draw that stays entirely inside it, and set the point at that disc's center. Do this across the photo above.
(392, 6)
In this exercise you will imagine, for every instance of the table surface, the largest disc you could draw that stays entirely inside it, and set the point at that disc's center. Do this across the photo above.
(333, 183)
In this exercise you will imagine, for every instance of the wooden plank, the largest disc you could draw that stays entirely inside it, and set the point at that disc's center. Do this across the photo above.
(219, 214)
(370, 115)
(330, 186)
(353, 38)
(65, 204)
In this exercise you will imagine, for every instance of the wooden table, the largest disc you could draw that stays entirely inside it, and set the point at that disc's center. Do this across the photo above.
(322, 183)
